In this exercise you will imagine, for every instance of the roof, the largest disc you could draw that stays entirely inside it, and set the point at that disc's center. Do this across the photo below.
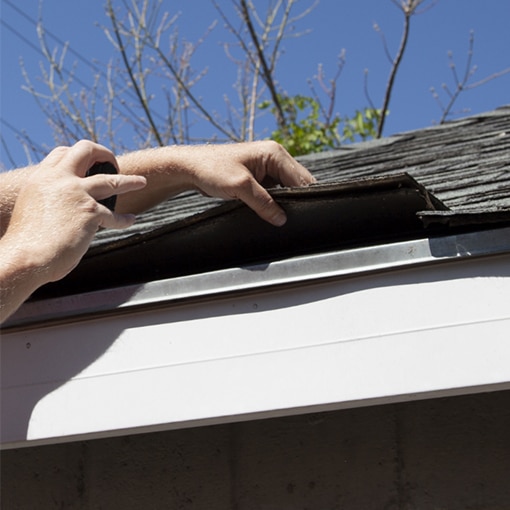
(464, 163)
(405, 186)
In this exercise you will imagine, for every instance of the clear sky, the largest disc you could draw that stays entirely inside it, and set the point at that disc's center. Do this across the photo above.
(334, 25)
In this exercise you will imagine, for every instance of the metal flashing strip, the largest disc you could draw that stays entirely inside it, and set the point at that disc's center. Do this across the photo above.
(284, 272)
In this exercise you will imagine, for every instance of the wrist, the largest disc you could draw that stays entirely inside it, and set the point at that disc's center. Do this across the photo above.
(20, 273)
(20, 261)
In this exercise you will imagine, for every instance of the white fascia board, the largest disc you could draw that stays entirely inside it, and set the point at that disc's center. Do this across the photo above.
(433, 329)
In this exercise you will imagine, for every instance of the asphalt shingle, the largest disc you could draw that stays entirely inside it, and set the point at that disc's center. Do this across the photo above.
(464, 163)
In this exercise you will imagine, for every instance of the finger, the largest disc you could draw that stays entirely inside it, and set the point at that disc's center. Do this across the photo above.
(84, 154)
(258, 199)
(299, 176)
(101, 186)
(288, 171)
(112, 220)
(282, 167)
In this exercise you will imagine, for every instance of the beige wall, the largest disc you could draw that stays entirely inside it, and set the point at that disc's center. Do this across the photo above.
(440, 454)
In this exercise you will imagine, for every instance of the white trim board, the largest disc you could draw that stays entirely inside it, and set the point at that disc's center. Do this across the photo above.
(438, 329)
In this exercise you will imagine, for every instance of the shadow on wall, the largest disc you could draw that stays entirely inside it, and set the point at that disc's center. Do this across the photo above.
(36, 362)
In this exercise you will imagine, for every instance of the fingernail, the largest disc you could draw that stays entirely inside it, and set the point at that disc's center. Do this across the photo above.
(280, 219)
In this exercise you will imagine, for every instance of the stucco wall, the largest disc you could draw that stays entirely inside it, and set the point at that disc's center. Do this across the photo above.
(437, 454)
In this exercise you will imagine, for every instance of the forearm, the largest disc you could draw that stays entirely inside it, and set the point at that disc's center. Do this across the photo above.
(20, 276)
(53, 213)
(161, 166)
(168, 173)
(10, 184)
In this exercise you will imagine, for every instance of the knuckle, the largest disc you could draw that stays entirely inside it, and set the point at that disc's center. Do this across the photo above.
(112, 181)
(272, 146)
(84, 145)
(85, 149)
(242, 182)
(266, 202)
(269, 150)
(59, 151)
(272, 152)
(89, 206)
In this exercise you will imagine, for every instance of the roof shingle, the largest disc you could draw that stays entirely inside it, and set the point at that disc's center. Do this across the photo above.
(464, 163)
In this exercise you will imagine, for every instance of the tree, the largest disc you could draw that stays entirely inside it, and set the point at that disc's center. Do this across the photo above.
(148, 96)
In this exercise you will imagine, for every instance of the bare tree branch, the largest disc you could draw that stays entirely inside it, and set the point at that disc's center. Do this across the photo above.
(409, 8)
(396, 61)
(379, 32)
(196, 102)
(143, 101)
(266, 72)
(463, 84)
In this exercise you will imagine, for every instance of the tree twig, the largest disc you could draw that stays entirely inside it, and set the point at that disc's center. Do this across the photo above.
(266, 72)
(394, 69)
(463, 84)
(127, 65)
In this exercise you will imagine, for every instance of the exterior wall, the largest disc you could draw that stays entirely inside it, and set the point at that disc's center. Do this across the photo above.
(449, 453)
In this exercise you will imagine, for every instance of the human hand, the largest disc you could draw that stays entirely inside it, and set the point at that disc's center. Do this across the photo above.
(229, 171)
(240, 171)
(56, 214)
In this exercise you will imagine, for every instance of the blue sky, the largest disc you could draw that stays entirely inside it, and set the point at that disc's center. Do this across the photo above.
(334, 25)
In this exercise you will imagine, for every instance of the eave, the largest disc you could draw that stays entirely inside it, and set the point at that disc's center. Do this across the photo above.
(379, 324)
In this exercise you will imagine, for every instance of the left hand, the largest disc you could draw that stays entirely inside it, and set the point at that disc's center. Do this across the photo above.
(240, 171)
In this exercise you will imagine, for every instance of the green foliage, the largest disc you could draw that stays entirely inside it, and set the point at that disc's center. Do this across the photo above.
(306, 132)
(362, 125)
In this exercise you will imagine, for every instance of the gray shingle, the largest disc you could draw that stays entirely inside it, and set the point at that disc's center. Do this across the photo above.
(465, 163)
